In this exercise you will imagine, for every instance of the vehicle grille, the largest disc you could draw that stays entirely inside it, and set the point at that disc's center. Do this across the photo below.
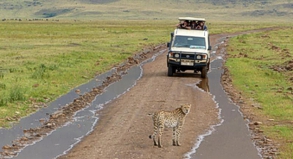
(187, 56)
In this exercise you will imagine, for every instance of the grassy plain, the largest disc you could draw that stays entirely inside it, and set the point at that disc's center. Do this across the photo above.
(261, 65)
(42, 60)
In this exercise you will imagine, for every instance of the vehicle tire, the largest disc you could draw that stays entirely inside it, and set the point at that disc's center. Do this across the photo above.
(209, 64)
(170, 71)
(204, 72)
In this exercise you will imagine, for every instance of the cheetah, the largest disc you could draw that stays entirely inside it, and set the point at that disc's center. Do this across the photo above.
(174, 119)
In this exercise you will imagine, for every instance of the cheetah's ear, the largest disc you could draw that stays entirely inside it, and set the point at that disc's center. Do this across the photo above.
(181, 106)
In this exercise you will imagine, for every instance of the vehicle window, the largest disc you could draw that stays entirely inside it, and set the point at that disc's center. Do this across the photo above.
(190, 42)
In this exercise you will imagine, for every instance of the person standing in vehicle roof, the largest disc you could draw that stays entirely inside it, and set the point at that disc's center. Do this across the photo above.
(201, 26)
(204, 26)
(193, 25)
(184, 25)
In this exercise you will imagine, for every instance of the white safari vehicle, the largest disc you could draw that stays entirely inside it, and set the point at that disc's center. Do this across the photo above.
(189, 49)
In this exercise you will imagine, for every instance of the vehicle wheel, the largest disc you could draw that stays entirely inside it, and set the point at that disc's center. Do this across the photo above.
(170, 71)
(204, 72)
(208, 66)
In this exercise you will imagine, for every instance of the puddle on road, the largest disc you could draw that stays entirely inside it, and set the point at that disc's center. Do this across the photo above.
(231, 137)
(61, 140)
(204, 85)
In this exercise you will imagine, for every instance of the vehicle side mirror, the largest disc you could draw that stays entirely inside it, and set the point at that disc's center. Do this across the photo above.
(168, 44)
(172, 34)
(210, 48)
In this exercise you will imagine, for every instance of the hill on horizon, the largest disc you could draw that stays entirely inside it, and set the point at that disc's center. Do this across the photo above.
(151, 9)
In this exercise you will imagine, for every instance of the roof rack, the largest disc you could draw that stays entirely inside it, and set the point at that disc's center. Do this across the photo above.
(191, 19)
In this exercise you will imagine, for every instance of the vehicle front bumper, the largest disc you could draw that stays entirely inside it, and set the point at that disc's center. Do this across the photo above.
(187, 63)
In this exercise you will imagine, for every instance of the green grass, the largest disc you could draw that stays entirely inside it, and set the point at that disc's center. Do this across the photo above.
(42, 60)
(232, 27)
(284, 134)
(255, 76)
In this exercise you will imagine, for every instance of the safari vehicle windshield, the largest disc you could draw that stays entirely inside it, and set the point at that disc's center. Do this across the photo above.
(190, 42)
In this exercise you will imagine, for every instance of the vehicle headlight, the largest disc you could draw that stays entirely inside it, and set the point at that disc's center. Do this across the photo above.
(198, 57)
(176, 55)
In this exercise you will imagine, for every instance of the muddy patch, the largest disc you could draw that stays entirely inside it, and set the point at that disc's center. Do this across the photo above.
(204, 85)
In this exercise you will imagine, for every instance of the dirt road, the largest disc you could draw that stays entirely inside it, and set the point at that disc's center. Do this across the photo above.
(124, 125)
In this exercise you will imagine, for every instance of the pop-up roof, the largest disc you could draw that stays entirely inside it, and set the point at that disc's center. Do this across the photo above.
(191, 19)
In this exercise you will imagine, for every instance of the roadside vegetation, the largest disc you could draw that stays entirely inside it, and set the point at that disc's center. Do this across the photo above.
(261, 66)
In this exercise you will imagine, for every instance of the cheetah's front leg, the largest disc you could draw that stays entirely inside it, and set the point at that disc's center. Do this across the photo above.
(178, 131)
(154, 136)
(174, 136)
(159, 137)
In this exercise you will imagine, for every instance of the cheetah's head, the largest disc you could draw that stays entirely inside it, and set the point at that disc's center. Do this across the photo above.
(185, 108)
